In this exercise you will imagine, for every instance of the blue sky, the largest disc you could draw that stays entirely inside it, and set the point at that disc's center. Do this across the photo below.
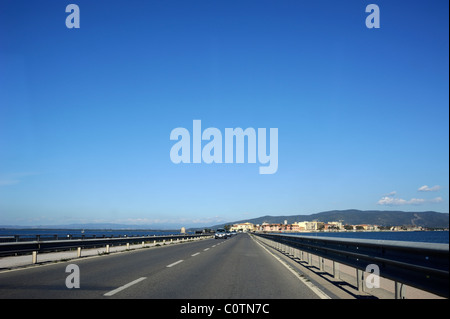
(86, 114)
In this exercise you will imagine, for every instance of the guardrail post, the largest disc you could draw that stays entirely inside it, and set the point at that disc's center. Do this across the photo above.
(336, 272)
(399, 290)
(360, 280)
(34, 257)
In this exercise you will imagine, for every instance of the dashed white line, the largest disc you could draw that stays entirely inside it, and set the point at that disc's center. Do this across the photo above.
(175, 263)
(195, 254)
(205, 249)
(113, 292)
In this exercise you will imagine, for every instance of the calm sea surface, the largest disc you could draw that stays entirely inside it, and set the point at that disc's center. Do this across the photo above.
(416, 236)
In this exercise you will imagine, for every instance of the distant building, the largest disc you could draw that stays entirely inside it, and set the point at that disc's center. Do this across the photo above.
(333, 226)
(310, 226)
(270, 227)
(366, 227)
(243, 227)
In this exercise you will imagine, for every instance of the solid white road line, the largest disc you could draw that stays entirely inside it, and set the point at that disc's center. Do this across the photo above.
(113, 292)
(308, 283)
(173, 264)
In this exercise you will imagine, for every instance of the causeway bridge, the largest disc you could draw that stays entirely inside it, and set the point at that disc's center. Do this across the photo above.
(244, 266)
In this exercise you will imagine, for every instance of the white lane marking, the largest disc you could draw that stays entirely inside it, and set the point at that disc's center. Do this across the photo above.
(205, 249)
(309, 284)
(173, 264)
(213, 246)
(195, 254)
(113, 292)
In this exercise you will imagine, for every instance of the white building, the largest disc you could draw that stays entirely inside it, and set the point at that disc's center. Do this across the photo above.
(243, 227)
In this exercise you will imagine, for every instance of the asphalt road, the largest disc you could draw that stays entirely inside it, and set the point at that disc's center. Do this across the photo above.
(234, 268)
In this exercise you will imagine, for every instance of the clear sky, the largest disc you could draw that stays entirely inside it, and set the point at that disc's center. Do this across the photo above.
(86, 113)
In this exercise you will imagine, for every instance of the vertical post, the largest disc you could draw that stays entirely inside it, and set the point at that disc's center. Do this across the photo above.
(399, 290)
(128, 246)
(360, 280)
(34, 257)
(79, 252)
(336, 272)
(107, 249)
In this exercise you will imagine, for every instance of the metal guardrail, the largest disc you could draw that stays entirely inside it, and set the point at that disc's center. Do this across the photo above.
(37, 246)
(421, 265)
(47, 237)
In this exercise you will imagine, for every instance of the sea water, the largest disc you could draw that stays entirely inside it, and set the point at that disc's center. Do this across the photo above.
(441, 237)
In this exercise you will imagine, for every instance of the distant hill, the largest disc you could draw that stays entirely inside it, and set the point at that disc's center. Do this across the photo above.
(356, 217)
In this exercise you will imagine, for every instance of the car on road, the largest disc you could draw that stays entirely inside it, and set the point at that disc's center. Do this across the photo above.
(220, 234)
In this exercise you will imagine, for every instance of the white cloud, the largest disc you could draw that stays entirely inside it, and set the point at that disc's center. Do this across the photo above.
(436, 200)
(387, 200)
(392, 201)
(393, 193)
(425, 188)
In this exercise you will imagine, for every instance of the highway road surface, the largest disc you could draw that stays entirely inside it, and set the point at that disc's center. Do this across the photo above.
(233, 268)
